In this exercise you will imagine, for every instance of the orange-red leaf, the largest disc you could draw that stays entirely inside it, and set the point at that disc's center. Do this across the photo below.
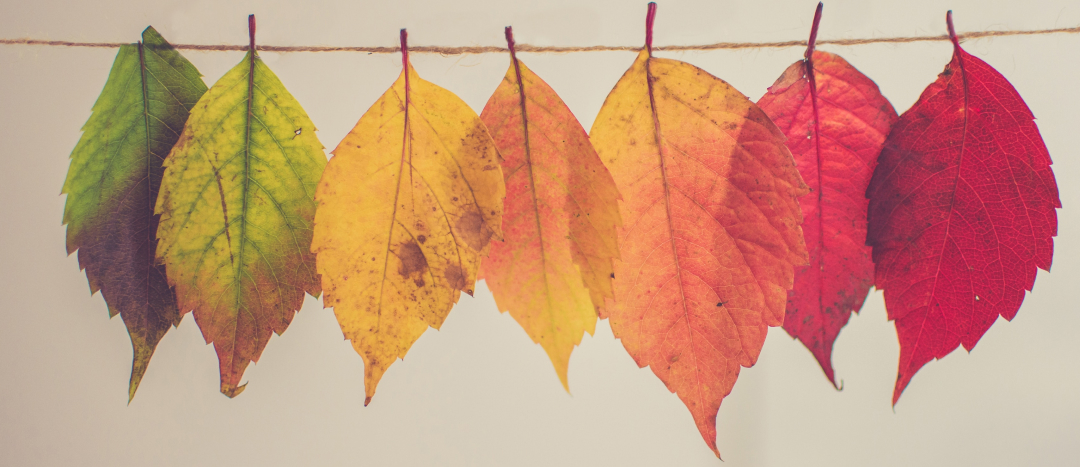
(559, 216)
(836, 121)
(711, 234)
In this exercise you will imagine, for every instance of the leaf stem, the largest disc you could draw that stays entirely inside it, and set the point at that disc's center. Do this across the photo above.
(405, 69)
(405, 50)
(952, 30)
(813, 31)
(510, 42)
(649, 17)
(251, 32)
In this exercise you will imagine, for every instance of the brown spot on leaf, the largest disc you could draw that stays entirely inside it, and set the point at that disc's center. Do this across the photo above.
(413, 262)
(455, 277)
(473, 230)
(421, 239)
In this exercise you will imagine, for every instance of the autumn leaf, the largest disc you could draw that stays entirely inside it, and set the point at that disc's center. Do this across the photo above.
(711, 233)
(236, 205)
(962, 212)
(560, 216)
(113, 182)
(835, 120)
(407, 205)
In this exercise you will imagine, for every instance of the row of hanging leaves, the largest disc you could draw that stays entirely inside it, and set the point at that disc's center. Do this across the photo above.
(689, 217)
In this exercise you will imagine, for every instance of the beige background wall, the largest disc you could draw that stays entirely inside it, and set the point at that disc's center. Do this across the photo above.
(479, 392)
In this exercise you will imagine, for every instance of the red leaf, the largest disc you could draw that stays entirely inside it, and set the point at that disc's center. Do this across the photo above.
(835, 120)
(961, 212)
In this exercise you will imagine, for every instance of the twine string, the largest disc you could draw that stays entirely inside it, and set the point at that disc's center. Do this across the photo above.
(549, 49)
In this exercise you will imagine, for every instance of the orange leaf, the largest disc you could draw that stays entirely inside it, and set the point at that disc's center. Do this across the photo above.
(711, 234)
(559, 220)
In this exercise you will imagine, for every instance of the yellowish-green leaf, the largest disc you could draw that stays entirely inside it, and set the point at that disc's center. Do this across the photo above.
(236, 205)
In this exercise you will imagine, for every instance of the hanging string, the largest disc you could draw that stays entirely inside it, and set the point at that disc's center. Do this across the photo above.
(549, 49)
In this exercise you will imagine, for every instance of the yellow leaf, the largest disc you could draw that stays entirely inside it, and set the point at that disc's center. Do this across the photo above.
(406, 207)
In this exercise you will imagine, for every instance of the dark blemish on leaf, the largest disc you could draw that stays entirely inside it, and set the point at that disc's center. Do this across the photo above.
(413, 262)
(419, 282)
(421, 239)
(473, 230)
(455, 277)
(612, 275)
(720, 304)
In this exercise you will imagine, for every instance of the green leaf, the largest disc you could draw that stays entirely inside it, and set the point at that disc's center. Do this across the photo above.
(113, 182)
(236, 205)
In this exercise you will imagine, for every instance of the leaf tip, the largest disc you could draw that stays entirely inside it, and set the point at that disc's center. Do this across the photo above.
(149, 31)
(562, 370)
(898, 390)
(137, 371)
(232, 391)
(830, 374)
